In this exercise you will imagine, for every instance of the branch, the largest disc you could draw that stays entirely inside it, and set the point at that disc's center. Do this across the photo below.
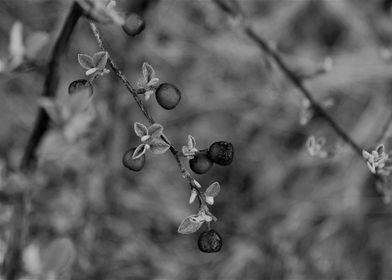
(291, 75)
(135, 94)
(50, 87)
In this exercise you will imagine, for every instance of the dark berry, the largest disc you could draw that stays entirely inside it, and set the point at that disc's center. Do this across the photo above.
(210, 241)
(221, 153)
(134, 25)
(168, 96)
(200, 163)
(79, 85)
(133, 164)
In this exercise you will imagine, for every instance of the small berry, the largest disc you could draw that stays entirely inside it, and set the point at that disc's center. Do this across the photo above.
(221, 153)
(168, 96)
(134, 25)
(133, 164)
(210, 241)
(200, 163)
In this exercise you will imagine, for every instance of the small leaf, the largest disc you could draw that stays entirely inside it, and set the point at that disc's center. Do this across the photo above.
(79, 85)
(139, 151)
(140, 129)
(86, 61)
(213, 190)
(91, 71)
(380, 149)
(155, 130)
(148, 72)
(191, 142)
(189, 225)
(158, 146)
(153, 82)
(210, 200)
(16, 46)
(193, 196)
(365, 154)
(100, 59)
(58, 256)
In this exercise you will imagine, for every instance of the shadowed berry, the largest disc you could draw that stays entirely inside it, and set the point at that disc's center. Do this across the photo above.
(221, 153)
(200, 163)
(134, 25)
(210, 241)
(133, 164)
(168, 96)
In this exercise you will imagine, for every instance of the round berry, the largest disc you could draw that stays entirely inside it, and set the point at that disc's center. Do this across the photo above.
(133, 164)
(134, 25)
(168, 96)
(210, 241)
(221, 153)
(200, 163)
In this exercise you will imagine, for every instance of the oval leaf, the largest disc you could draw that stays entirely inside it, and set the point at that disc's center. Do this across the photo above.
(140, 129)
(58, 256)
(148, 72)
(213, 190)
(191, 142)
(158, 146)
(155, 130)
(189, 225)
(100, 59)
(85, 61)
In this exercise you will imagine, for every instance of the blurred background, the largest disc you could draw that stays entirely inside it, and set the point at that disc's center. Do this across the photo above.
(282, 214)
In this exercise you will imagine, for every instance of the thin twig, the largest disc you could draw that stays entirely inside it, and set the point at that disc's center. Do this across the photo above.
(290, 74)
(135, 94)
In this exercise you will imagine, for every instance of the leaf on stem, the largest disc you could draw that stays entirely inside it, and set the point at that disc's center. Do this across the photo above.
(189, 225)
(86, 61)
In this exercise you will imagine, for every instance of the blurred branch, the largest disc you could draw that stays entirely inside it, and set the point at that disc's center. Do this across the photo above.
(12, 260)
(135, 94)
(50, 87)
(229, 8)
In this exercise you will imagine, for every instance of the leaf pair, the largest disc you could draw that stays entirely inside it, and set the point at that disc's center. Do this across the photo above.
(149, 80)
(190, 150)
(150, 138)
(94, 65)
(102, 11)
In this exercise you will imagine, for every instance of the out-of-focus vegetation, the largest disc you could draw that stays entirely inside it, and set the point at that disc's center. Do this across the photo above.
(282, 214)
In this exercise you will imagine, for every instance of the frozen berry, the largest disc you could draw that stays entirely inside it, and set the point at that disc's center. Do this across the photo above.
(210, 241)
(200, 163)
(168, 96)
(134, 25)
(221, 153)
(133, 164)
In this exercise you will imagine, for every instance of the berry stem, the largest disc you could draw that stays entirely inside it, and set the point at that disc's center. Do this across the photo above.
(290, 75)
(135, 94)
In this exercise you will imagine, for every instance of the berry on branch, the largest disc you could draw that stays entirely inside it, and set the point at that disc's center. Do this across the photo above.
(134, 25)
(131, 163)
(168, 96)
(200, 163)
(221, 153)
(210, 241)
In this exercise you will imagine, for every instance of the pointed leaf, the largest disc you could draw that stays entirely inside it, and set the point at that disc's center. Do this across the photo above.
(380, 149)
(155, 130)
(158, 146)
(148, 72)
(193, 196)
(139, 151)
(86, 61)
(365, 154)
(140, 129)
(191, 142)
(189, 225)
(213, 190)
(100, 59)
